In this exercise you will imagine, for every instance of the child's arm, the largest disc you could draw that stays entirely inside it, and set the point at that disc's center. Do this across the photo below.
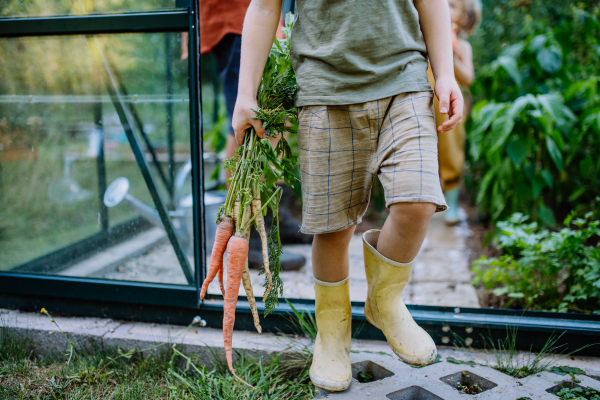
(434, 18)
(463, 63)
(260, 26)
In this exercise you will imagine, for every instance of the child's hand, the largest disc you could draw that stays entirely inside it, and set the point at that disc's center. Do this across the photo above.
(243, 119)
(450, 99)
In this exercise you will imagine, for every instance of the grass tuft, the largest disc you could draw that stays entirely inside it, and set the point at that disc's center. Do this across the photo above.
(518, 364)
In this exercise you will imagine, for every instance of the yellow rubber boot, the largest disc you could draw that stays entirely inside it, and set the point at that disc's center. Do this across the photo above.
(330, 369)
(385, 309)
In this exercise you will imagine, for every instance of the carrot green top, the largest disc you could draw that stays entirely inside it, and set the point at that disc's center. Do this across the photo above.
(353, 51)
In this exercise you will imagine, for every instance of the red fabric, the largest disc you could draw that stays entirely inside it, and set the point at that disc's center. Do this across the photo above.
(218, 18)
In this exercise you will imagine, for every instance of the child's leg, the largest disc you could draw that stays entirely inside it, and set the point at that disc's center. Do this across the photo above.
(330, 255)
(404, 230)
(336, 144)
(407, 164)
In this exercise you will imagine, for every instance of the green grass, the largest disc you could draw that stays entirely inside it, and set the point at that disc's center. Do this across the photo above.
(100, 373)
(507, 359)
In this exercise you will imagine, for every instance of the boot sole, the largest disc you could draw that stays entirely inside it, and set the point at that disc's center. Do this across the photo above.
(329, 385)
(417, 361)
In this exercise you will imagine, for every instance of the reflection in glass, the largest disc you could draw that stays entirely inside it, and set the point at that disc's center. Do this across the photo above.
(63, 141)
(10, 8)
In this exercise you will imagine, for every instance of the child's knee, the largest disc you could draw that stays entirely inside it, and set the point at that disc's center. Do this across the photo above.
(417, 213)
(335, 237)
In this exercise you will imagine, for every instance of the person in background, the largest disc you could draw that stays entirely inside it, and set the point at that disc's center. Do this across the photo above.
(220, 35)
(465, 16)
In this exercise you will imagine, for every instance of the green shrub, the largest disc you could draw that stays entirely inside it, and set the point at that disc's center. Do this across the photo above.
(543, 270)
(533, 139)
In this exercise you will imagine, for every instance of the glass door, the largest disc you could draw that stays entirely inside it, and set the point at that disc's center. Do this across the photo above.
(98, 145)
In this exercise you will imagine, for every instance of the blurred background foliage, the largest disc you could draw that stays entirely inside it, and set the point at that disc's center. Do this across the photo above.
(534, 131)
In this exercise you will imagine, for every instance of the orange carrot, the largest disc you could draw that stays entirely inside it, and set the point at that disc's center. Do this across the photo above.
(237, 253)
(224, 232)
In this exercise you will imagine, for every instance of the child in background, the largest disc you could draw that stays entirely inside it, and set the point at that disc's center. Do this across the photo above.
(465, 16)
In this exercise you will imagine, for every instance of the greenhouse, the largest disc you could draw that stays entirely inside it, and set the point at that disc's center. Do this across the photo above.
(112, 144)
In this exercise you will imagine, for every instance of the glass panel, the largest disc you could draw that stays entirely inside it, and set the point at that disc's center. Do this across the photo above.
(63, 141)
(13, 8)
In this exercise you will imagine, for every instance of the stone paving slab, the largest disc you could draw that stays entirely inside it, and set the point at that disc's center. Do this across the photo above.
(427, 380)
(404, 382)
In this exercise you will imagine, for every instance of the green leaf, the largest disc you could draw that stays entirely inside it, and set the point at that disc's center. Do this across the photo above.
(547, 177)
(552, 103)
(585, 167)
(546, 216)
(517, 150)
(503, 126)
(537, 43)
(456, 361)
(483, 118)
(549, 59)
(485, 183)
(563, 370)
(510, 66)
(554, 152)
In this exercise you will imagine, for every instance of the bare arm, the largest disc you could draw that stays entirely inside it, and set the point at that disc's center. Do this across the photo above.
(463, 63)
(434, 18)
(260, 26)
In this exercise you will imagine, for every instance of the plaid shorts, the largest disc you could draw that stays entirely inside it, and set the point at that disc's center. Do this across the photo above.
(342, 147)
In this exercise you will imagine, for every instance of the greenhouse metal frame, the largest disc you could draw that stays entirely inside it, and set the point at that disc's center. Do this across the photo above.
(26, 289)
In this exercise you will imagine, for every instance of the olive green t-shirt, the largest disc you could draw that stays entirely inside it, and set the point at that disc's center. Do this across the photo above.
(353, 51)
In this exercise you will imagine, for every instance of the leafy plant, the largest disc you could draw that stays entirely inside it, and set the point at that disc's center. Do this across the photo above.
(543, 270)
(535, 131)
(564, 370)
(365, 377)
(578, 393)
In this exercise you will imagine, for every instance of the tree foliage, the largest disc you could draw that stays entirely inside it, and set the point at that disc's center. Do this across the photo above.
(535, 131)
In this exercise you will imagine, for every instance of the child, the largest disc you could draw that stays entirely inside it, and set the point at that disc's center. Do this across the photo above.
(465, 16)
(365, 108)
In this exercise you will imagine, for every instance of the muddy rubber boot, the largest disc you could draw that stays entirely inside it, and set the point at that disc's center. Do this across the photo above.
(331, 369)
(385, 309)
(451, 214)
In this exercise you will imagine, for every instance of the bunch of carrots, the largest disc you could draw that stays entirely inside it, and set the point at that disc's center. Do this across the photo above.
(256, 167)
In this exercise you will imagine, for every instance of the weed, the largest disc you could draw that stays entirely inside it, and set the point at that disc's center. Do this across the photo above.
(365, 377)
(270, 380)
(469, 389)
(563, 370)
(518, 364)
(578, 393)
